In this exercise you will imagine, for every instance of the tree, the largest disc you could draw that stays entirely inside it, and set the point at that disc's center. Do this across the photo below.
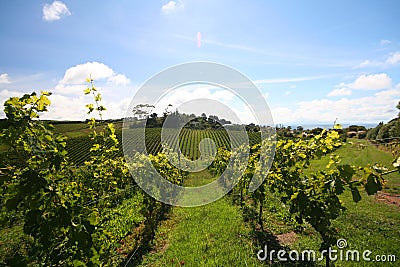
(383, 132)
(356, 128)
(395, 129)
(223, 121)
(353, 128)
(398, 107)
(372, 133)
(317, 130)
(167, 111)
(141, 111)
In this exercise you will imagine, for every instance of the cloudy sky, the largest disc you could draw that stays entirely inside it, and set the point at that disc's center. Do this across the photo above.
(314, 61)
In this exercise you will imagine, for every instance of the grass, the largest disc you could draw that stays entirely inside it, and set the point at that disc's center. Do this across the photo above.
(369, 224)
(13, 241)
(3, 148)
(364, 225)
(210, 235)
(69, 127)
(72, 130)
(361, 153)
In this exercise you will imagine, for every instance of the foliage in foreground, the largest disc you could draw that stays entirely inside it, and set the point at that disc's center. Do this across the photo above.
(71, 214)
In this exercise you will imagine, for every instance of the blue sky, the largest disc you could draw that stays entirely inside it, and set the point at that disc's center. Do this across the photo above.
(315, 61)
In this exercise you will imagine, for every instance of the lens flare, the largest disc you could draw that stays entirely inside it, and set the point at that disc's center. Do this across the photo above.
(198, 39)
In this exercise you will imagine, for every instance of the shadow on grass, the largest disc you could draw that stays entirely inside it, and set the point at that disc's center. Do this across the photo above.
(146, 238)
(265, 239)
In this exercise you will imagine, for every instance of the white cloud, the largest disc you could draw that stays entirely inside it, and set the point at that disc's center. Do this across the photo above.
(193, 92)
(391, 59)
(55, 11)
(66, 108)
(6, 94)
(172, 6)
(67, 89)
(71, 107)
(79, 73)
(378, 107)
(117, 110)
(4, 78)
(394, 58)
(363, 82)
(372, 82)
(243, 115)
(340, 92)
(292, 79)
(61, 107)
(74, 80)
(368, 63)
(385, 42)
(283, 115)
(209, 99)
(119, 79)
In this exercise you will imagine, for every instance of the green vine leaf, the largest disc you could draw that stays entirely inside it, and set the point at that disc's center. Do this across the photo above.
(356, 194)
(373, 184)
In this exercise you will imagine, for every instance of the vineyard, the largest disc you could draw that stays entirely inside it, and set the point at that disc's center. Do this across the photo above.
(73, 201)
(189, 142)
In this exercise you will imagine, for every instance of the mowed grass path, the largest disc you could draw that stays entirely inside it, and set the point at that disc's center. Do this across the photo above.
(210, 235)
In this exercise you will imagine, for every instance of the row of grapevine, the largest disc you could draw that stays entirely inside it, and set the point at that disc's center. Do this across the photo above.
(189, 140)
(74, 216)
(309, 198)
